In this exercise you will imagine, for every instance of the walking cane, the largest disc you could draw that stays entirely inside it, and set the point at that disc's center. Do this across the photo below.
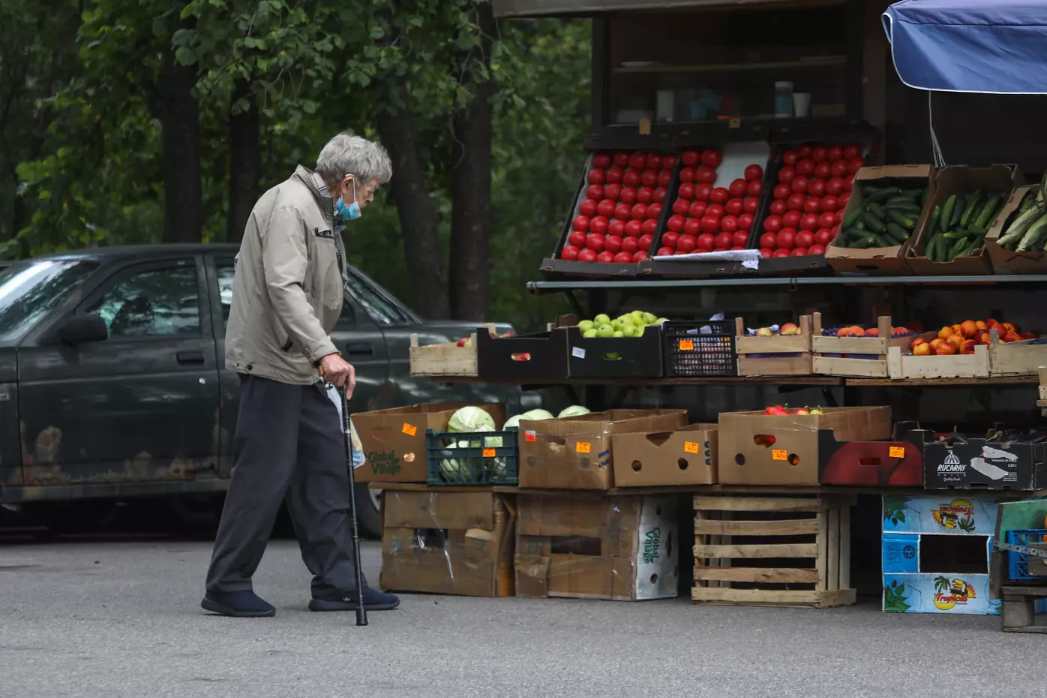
(361, 610)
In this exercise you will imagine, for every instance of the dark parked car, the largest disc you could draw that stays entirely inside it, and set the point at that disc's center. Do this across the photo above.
(113, 382)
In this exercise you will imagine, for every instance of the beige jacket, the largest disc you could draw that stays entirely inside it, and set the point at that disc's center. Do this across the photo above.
(287, 291)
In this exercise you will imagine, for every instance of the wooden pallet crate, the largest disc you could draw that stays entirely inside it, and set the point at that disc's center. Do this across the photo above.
(905, 366)
(1019, 609)
(877, 347)
(763, 365)
(1015, 359)
(734, 535)
(435, 360)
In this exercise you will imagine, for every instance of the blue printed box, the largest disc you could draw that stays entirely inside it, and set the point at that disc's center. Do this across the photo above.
(940, 514)
(955, 594)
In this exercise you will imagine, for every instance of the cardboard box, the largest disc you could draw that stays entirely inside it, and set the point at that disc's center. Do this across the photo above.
(575, 453)
(880, 261)
(984, 464)
(394, 440)
(894, 463)
(448, 543)
(592, 547)
(1004, 261)
(761, 449)
(523, 358)
(686, 456)
(949, 181)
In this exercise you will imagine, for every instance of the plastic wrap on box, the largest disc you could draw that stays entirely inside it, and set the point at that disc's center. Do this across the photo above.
(448, 542)
(588, 546)
(575, 453)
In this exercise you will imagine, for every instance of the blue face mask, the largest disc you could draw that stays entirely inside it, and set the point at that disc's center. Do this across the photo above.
(351, 212)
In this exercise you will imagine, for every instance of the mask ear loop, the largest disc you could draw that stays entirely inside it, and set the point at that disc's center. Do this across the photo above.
(355, 200)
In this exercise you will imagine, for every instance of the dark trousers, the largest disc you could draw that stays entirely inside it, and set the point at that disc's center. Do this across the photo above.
(289, 442)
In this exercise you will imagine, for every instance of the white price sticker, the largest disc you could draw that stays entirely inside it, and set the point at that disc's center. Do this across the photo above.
(578, 352)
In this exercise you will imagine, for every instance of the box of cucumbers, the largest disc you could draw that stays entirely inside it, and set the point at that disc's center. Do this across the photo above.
(1017, 243)
(884, 212)
(966, 204)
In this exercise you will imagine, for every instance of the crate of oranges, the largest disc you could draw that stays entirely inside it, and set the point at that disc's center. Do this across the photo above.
(856, 350)
(1013, 352)
(954, 351)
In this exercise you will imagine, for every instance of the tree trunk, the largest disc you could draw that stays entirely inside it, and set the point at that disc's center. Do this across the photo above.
(422, 250)
(470, 278)
(180, 114)
(245, 161)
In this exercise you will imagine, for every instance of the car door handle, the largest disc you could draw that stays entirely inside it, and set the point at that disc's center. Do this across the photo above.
(194, 358)
(359, 349)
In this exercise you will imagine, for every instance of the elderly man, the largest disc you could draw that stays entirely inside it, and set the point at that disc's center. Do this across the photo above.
(287, 295)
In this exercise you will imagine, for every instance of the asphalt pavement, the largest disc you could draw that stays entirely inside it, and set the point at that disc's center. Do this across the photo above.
(119, 618)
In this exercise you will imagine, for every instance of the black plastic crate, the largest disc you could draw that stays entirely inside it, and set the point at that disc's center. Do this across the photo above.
(699, 349)
(615, 357)
(480, 461)
(522, 358)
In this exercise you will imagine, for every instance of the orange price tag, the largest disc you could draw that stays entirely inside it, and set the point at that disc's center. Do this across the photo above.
(690, 447)
(779, 454)
(488, 453)
(409, 430)
(686, 345)
(583, 447)
(530, 436)
(897, 452)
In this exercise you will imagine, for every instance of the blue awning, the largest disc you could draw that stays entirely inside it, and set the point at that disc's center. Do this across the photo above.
(994, 46)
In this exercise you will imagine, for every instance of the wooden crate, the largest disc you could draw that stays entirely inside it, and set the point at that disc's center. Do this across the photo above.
(435, 360)
(904, 366)
(1043, 383)
(1019, 609)
(729, 531)
(774, 365)
(859, 368)
(1015, 359)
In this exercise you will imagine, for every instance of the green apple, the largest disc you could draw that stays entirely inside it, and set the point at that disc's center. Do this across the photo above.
(628, 331)
(586, 325)
(601, 320)
(661, 320)
(589, 333)
(648, 318)
(613, 356)
(638, 317)
(618, 333)
(605, 331)
(639, 331)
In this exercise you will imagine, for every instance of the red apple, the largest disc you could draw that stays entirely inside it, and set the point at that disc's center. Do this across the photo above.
(569, 252)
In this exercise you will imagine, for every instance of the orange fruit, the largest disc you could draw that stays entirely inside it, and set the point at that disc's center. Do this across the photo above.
(1012, 337)
(955, 340)
(945, 332)
(945, 349)
(935, 343)
(857, 331)
(978, 324)
(874, 332)
(955, 328)
(917, 342)
(969, 328)
(968, 346)
(1010, 327)
(922, 349)
(843, 332)
(981, 337)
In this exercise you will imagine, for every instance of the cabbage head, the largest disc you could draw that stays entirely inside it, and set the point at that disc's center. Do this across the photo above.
(471, 419)
(532, 415)
(573, 411)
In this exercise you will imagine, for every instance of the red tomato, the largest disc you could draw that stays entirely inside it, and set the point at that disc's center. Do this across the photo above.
(809, 221)
(705, 175)
(719, 195)
(710, 224)
(613, 244)
(754, 188)
(630, 245)
(587, 208)
(738, 188)
(816, 249)
(735, 207)
(698, 209)
(715, 211)
(800, 184)
(602, 160)
(834, 186)
(812, 205)
(782, 191)
(612, 191)
(663, 252)
(649, 178)
(623, 212)
(740, 238)
(724, 240)
(692, 226)
(659, 195)
(616, 227)
(839, 168)
(738, 247)
(796, 202)
(690, 158)
(745, 222)
(628, 195)
(576, 238)
(669, 239)
(799, 252)
(597, 177)
(854, 164)
(753, 173)
(786, 239)
(599, 225)
(653, 211)
(816, 187)
(594, 242)
(792, 219)
(580, 223)
(805, 167)
(822, 169)
(834, 231)
(644, 195)
(781, 253)
(569, 252)
(835, 153)
(654, 162)
(706, 241)
(605, 258)
(778, 207)
(668, 162)
(804, 151)
(687, 243)
(621, 159)
(818, 154)
(634, 228)
(786, 174)
(773, 224)
(680, 207)
(623, 258)
(594, 192)
(790, 158)
(823, 237)
(804, 238)
(686, 191)
(586, 255)
(649, 227)
(765, 253)
(769, 240)
(637, 160)
(842, 200)
(712, 158)
(614, 175)
(830, 204)
(639, 256)
(751, 204)
(848, 182)
(645, 242)
(703, 191)
(687, 174)
(631, 178)
(675, 223)
(826, 220)
(729, 224)
(852, 151)
(664, 178)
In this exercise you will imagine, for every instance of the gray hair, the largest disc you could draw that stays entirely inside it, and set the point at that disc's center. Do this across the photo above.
(350, 154)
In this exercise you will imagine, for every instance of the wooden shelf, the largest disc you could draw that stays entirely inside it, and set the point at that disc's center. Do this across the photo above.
(818, 62)
(932, 382)
(766, 380)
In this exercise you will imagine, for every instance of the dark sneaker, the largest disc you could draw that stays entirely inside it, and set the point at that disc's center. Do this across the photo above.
(239, 604)
(374, 600)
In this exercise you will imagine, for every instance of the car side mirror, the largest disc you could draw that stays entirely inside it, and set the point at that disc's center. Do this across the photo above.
(82, 329)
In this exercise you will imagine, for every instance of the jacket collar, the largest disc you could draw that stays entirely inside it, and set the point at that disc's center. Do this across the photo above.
(315, 185)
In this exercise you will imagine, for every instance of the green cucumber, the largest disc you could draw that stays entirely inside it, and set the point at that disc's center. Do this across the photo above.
(897, 232)
(873, 223)
(907, 222)
(973, 204)
(932, 226)
(876, 209)
(852, 216)
(957, 212)
(950, 204)
(989, 211)
(882, 195)
(899, 200)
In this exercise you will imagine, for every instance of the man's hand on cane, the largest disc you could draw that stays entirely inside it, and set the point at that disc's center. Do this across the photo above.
(339, 372)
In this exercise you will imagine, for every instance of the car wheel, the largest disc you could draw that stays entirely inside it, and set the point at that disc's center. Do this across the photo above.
(198, 511)
(71, 517)
(368, 511)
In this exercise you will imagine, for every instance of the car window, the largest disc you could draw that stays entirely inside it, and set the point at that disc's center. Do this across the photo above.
(225, 271)
(381, 309)
(30, 290)
(152, 303)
